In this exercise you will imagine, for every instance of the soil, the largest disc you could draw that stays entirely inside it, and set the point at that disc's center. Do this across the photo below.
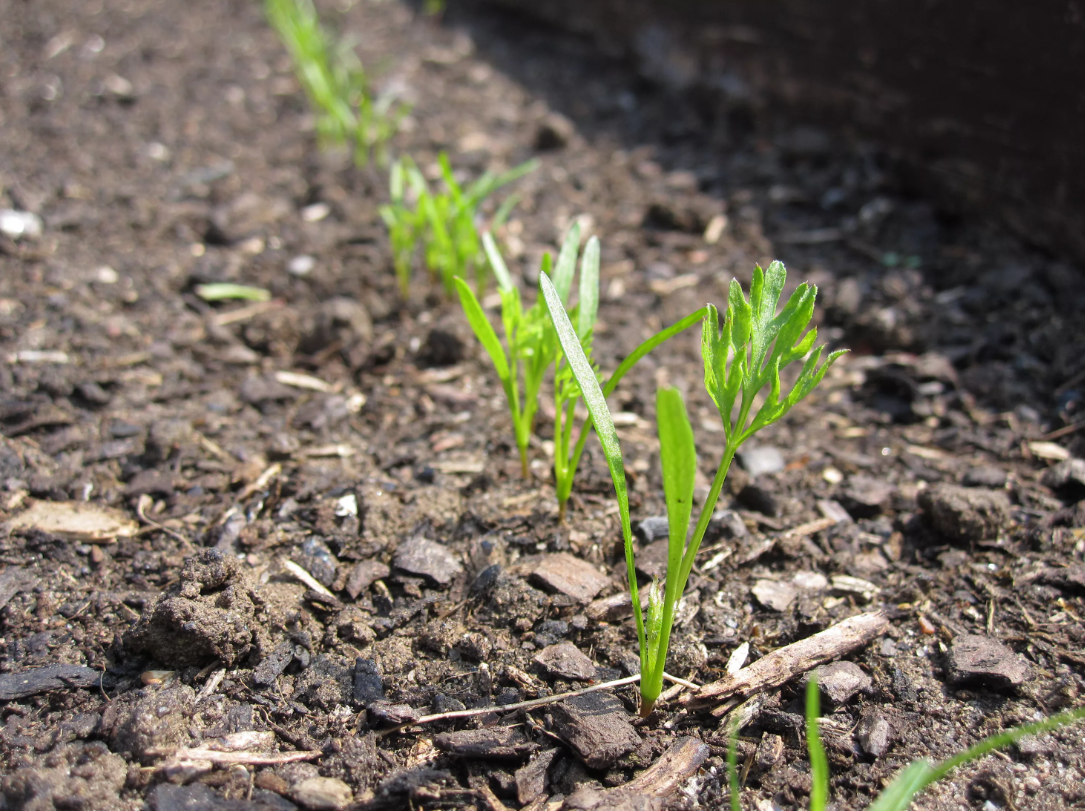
(164, 145)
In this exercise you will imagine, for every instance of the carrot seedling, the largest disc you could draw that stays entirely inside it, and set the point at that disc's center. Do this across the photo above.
(531, 346)
(761, 343)
(339, 91)
(533, 349)
(445, 224)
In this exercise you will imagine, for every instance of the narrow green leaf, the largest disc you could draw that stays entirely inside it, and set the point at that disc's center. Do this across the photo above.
(588, 305)
(484, 331)
(678, 458)
(899, 794)
(604, 429)
(819, 764)
(497, 263)
(222, 291)
(566, 265)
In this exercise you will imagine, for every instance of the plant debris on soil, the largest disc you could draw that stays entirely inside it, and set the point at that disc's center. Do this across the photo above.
(243, 540)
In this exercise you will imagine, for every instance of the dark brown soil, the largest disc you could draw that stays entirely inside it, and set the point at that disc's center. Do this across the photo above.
(168, 144)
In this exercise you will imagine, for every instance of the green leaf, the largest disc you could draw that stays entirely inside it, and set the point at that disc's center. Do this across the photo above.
(566, 265)
(899, 794)
(588, 305)
(678, 458)
(604, 429)
(819, 765)
(497, 263)
(484, 331)
(222, 291)
(920, 774)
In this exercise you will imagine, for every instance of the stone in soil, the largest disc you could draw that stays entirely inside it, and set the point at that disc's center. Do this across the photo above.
(566, 660)
(866, 497)
(652, 528)
(874, 734)
(494, 742)
(198, 797)
(965, 514)
(761, 459)
(597, 728)
(368, 685)
(322, 793)
(364, 574)
(979, 659)
(1067, 479)
(611, 609)
(272, 665)
(318, 560)
(570, 575)
(420, 556)
(775, 595)
(208, 614)
(839, 682)
(531, 779)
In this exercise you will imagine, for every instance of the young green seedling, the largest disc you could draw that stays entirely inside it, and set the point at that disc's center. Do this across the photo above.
(911, 780)
(337, 86)
(762, 343)
(531, 346)
(444, 223)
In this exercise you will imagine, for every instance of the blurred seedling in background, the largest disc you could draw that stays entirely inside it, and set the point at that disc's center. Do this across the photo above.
(910, 780)
(226, 291)
(531, 348)
(339, 91)
(740, 361)
(445, 224)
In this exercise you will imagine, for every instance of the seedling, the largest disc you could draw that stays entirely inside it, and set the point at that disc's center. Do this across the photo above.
(911, 780)
(761, 343)
(338, 88)
(532, 348)
(444, 223)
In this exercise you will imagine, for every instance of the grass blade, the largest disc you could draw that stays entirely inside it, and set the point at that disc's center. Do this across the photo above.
(678, 457)
(497, 262)
(484, 331)
(566, 264)
(920, 774)
(819, 764)
(604, 427)
(588, 306)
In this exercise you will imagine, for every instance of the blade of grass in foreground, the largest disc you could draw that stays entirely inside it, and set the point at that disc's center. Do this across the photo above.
(604, 429)
(920, 774)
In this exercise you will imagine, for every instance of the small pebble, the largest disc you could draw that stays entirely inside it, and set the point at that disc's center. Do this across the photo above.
(301, 265)
(19, 224)
(761, 459)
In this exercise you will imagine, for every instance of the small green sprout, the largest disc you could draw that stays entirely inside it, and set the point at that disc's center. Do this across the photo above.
(533, 349)
(337, 85)
(761, 343)
(911, 780)
(444, 223)
(223, 291)
(532, 346)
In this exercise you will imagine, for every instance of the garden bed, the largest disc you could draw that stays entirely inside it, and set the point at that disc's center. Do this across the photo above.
(168, 145)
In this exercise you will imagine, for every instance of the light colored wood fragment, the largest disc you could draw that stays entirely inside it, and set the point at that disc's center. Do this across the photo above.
(790, 661)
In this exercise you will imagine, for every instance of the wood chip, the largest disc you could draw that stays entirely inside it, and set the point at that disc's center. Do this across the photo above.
(75, 520)
(793, 660)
